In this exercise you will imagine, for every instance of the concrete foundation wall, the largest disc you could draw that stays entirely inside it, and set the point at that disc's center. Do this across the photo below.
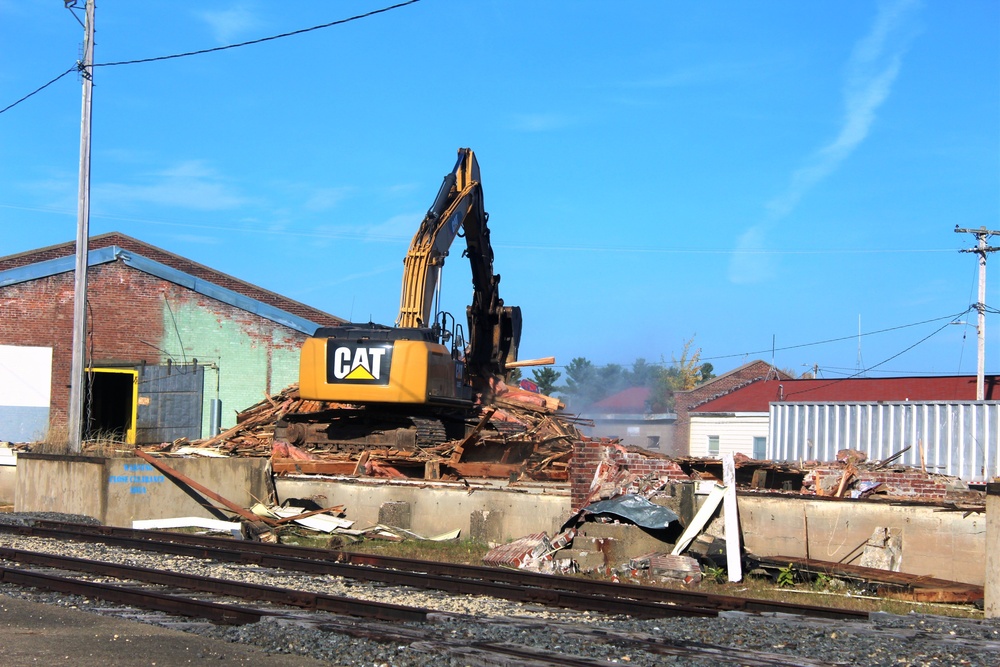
(8, 482)
(945, 545)
(117, 491)
(439, 508)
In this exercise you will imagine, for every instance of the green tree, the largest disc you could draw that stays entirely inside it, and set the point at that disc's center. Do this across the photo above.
(707, 372)
(546, 378)
(580, 380)
(687, 370)
(642, 374)
(683, 374)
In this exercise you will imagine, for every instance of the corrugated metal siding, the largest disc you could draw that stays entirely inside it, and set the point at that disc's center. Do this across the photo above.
(959, 439)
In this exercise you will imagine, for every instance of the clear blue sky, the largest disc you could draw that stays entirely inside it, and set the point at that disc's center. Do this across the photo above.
(747, 173)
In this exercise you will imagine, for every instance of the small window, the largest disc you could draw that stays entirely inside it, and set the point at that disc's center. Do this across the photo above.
(759, 448)
(713, 445)
(652, 442)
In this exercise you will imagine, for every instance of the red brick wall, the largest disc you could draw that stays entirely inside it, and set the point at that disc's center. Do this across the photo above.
(911, 483)
(685, 400)
(177, 262)
(124, 321)
(124, 306)
(588, 454)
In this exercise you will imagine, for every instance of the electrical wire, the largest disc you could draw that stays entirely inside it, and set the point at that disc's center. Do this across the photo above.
(258, 41)
(80, 67)
(950, 318)
(40, 89)
(884, 361)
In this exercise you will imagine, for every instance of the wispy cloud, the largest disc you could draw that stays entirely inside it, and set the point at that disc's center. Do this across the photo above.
(228, 25)
(191, 185)
(871, 71)
(396, 227)
(325, 199)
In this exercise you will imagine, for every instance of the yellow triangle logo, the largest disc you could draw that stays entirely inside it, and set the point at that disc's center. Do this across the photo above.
(359, 373)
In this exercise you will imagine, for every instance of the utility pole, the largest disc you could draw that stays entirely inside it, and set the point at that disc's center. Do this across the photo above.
(77, 378)
(981, 249)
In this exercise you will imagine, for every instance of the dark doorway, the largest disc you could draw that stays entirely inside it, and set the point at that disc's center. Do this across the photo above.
(110, 405)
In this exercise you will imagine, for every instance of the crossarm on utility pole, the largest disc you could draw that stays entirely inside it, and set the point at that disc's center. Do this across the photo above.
(981, 249)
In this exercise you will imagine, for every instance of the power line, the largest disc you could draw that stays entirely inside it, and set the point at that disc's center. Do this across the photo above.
(836, 340)
(79, 66)
(261, 40)
(40, 89)
(884, 361)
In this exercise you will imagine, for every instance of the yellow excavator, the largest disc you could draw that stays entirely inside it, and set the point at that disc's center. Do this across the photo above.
(417, 383)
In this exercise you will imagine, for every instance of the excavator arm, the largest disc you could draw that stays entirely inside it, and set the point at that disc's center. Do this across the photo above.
(494, 329)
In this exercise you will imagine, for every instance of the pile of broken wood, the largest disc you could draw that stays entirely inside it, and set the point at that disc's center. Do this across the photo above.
(536, 446)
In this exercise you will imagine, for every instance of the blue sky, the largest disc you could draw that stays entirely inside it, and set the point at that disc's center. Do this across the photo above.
(754, 175)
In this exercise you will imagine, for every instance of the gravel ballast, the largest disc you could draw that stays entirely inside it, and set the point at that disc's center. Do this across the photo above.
(464, 621)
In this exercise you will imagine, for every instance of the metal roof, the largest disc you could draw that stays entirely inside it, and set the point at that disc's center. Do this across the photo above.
(757, 396)
(201, 286)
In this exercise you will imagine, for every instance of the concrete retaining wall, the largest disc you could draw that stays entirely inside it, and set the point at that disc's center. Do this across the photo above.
(439, 508)
(936, 543)
(117, 491)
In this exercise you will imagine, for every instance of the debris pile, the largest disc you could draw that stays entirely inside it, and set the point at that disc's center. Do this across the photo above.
(520, 436)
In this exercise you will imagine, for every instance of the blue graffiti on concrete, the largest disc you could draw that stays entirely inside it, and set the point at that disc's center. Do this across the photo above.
(135, 477)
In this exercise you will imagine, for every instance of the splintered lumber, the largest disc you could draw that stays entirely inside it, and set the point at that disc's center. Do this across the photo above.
(538, 446)
(456, 454)
(497, 470)
(292, 466)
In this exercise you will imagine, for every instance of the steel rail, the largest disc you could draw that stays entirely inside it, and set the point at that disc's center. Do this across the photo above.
(213, 611)
(273, 594)
(233, 551)
(256, 552)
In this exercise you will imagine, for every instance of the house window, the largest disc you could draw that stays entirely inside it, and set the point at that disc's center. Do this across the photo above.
(759, 448)
(652, 442)
(713, 445)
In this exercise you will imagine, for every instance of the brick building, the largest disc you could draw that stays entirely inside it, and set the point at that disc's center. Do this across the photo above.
(685, 401)
(168, 342)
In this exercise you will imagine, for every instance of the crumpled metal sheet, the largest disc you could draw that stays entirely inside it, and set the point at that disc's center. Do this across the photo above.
(636, 509)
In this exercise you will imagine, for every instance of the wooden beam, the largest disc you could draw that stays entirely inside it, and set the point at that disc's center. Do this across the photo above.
(203, 490)
(285, 466)
(544, 361)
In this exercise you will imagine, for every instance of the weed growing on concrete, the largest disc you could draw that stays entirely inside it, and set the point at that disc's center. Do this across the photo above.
(786, 576)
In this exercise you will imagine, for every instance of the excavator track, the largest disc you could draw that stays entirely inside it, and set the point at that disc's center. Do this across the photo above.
(354, 430)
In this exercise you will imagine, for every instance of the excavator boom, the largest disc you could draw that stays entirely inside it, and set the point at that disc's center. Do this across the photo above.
(410, 364)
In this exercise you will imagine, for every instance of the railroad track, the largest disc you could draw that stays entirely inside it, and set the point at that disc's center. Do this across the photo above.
(74, 576)
(446, 620)
(513, 585)
(225, 601)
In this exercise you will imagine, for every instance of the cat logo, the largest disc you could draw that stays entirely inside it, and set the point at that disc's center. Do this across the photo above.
(357, 363)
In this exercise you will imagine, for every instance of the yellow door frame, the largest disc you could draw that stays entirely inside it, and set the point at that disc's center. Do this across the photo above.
(130, 433)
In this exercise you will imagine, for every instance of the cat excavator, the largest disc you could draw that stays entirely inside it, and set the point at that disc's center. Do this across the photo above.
(420, 382)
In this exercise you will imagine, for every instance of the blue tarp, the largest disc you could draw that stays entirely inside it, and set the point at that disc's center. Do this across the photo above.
(636, 509)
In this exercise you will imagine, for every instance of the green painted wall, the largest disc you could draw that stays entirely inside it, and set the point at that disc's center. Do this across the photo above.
(253, 357)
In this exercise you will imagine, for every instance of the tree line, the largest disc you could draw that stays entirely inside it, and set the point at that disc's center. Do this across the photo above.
(585, 383)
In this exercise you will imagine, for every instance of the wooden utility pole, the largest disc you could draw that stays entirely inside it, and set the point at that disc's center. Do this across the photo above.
(77, 378)
(981, 249)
